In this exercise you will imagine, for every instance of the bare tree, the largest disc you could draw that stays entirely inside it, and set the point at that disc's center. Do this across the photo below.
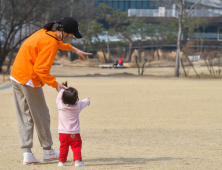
(20, 18)
(16, 17)
(142, 69)
(79, 9)
(185, 10)
(13, 17)
(183, 13)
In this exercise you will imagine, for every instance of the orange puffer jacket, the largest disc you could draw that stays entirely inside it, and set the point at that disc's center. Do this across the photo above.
(35, 58)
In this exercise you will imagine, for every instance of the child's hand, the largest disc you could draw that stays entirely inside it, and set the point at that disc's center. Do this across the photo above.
(89, 103)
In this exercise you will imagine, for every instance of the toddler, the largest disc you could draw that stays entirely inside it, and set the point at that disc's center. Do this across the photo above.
(69, 108)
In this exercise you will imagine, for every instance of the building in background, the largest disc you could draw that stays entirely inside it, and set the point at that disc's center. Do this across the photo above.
(157, 11)
(130, 4)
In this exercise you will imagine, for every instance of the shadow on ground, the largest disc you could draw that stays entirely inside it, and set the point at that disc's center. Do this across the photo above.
(124, 74)
(5, 87)
(125, 161)
(118, 161)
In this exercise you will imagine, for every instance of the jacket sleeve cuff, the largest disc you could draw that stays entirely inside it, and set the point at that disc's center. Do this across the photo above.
(66, 47)
(55, 84)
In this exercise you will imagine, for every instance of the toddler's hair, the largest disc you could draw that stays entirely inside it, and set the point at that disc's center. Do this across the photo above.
(70, 95)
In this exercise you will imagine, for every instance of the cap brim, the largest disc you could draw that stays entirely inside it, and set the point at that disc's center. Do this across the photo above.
(77, 35)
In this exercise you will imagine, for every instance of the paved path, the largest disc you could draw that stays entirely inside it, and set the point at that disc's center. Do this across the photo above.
(5, 87)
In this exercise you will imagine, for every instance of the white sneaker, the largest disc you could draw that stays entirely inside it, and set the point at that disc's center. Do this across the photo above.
(49, 155)
(61, 164)
(29, 158)
(79, 164)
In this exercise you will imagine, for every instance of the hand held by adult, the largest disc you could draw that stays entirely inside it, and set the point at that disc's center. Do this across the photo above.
(59, 87)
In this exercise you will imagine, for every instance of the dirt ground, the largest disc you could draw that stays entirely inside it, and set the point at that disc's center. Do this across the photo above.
(132, 123)
(81, 68)
(58, 70)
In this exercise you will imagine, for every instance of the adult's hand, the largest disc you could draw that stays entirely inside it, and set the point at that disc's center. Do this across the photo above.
(59, 87)
(82, 54)
(79, 52)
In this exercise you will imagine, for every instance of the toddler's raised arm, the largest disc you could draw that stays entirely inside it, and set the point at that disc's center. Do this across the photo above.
(59, 97)
(84, 103)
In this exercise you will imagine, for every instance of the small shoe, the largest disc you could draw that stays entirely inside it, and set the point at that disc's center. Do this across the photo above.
(49, 155)
(29, 158)
(79, 164)
(61, 164)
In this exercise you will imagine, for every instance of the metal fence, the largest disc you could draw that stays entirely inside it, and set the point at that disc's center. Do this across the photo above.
(208, 36)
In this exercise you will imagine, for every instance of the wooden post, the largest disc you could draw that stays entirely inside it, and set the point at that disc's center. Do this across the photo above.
(183, 68)
(191, 64)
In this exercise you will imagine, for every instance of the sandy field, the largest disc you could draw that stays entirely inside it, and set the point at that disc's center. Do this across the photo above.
(132, 123)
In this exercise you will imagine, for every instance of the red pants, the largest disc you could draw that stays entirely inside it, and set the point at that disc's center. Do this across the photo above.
(75, 142)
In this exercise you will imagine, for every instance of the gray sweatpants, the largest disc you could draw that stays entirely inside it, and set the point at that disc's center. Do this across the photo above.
(32, 110)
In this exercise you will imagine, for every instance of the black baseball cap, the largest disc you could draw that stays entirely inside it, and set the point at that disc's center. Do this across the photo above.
(70, 25)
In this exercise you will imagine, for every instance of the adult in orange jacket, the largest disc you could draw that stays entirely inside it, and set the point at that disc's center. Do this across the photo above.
(31, 71)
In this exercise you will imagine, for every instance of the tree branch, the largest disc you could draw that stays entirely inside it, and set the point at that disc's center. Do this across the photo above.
(194, 5)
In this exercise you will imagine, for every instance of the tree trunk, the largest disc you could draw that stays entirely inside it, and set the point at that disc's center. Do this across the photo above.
(2, 59)
(10, 57)
(1, 63)
(157, 50)
(1, 53)
(71, 6)
(143, 66)
(138, 65)
(179, 40)
(140, 51)
(9, 63)
(185, 36)
(158, 55)
(102, 50)
(130, 51)
(152, 50)
(108, 44)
